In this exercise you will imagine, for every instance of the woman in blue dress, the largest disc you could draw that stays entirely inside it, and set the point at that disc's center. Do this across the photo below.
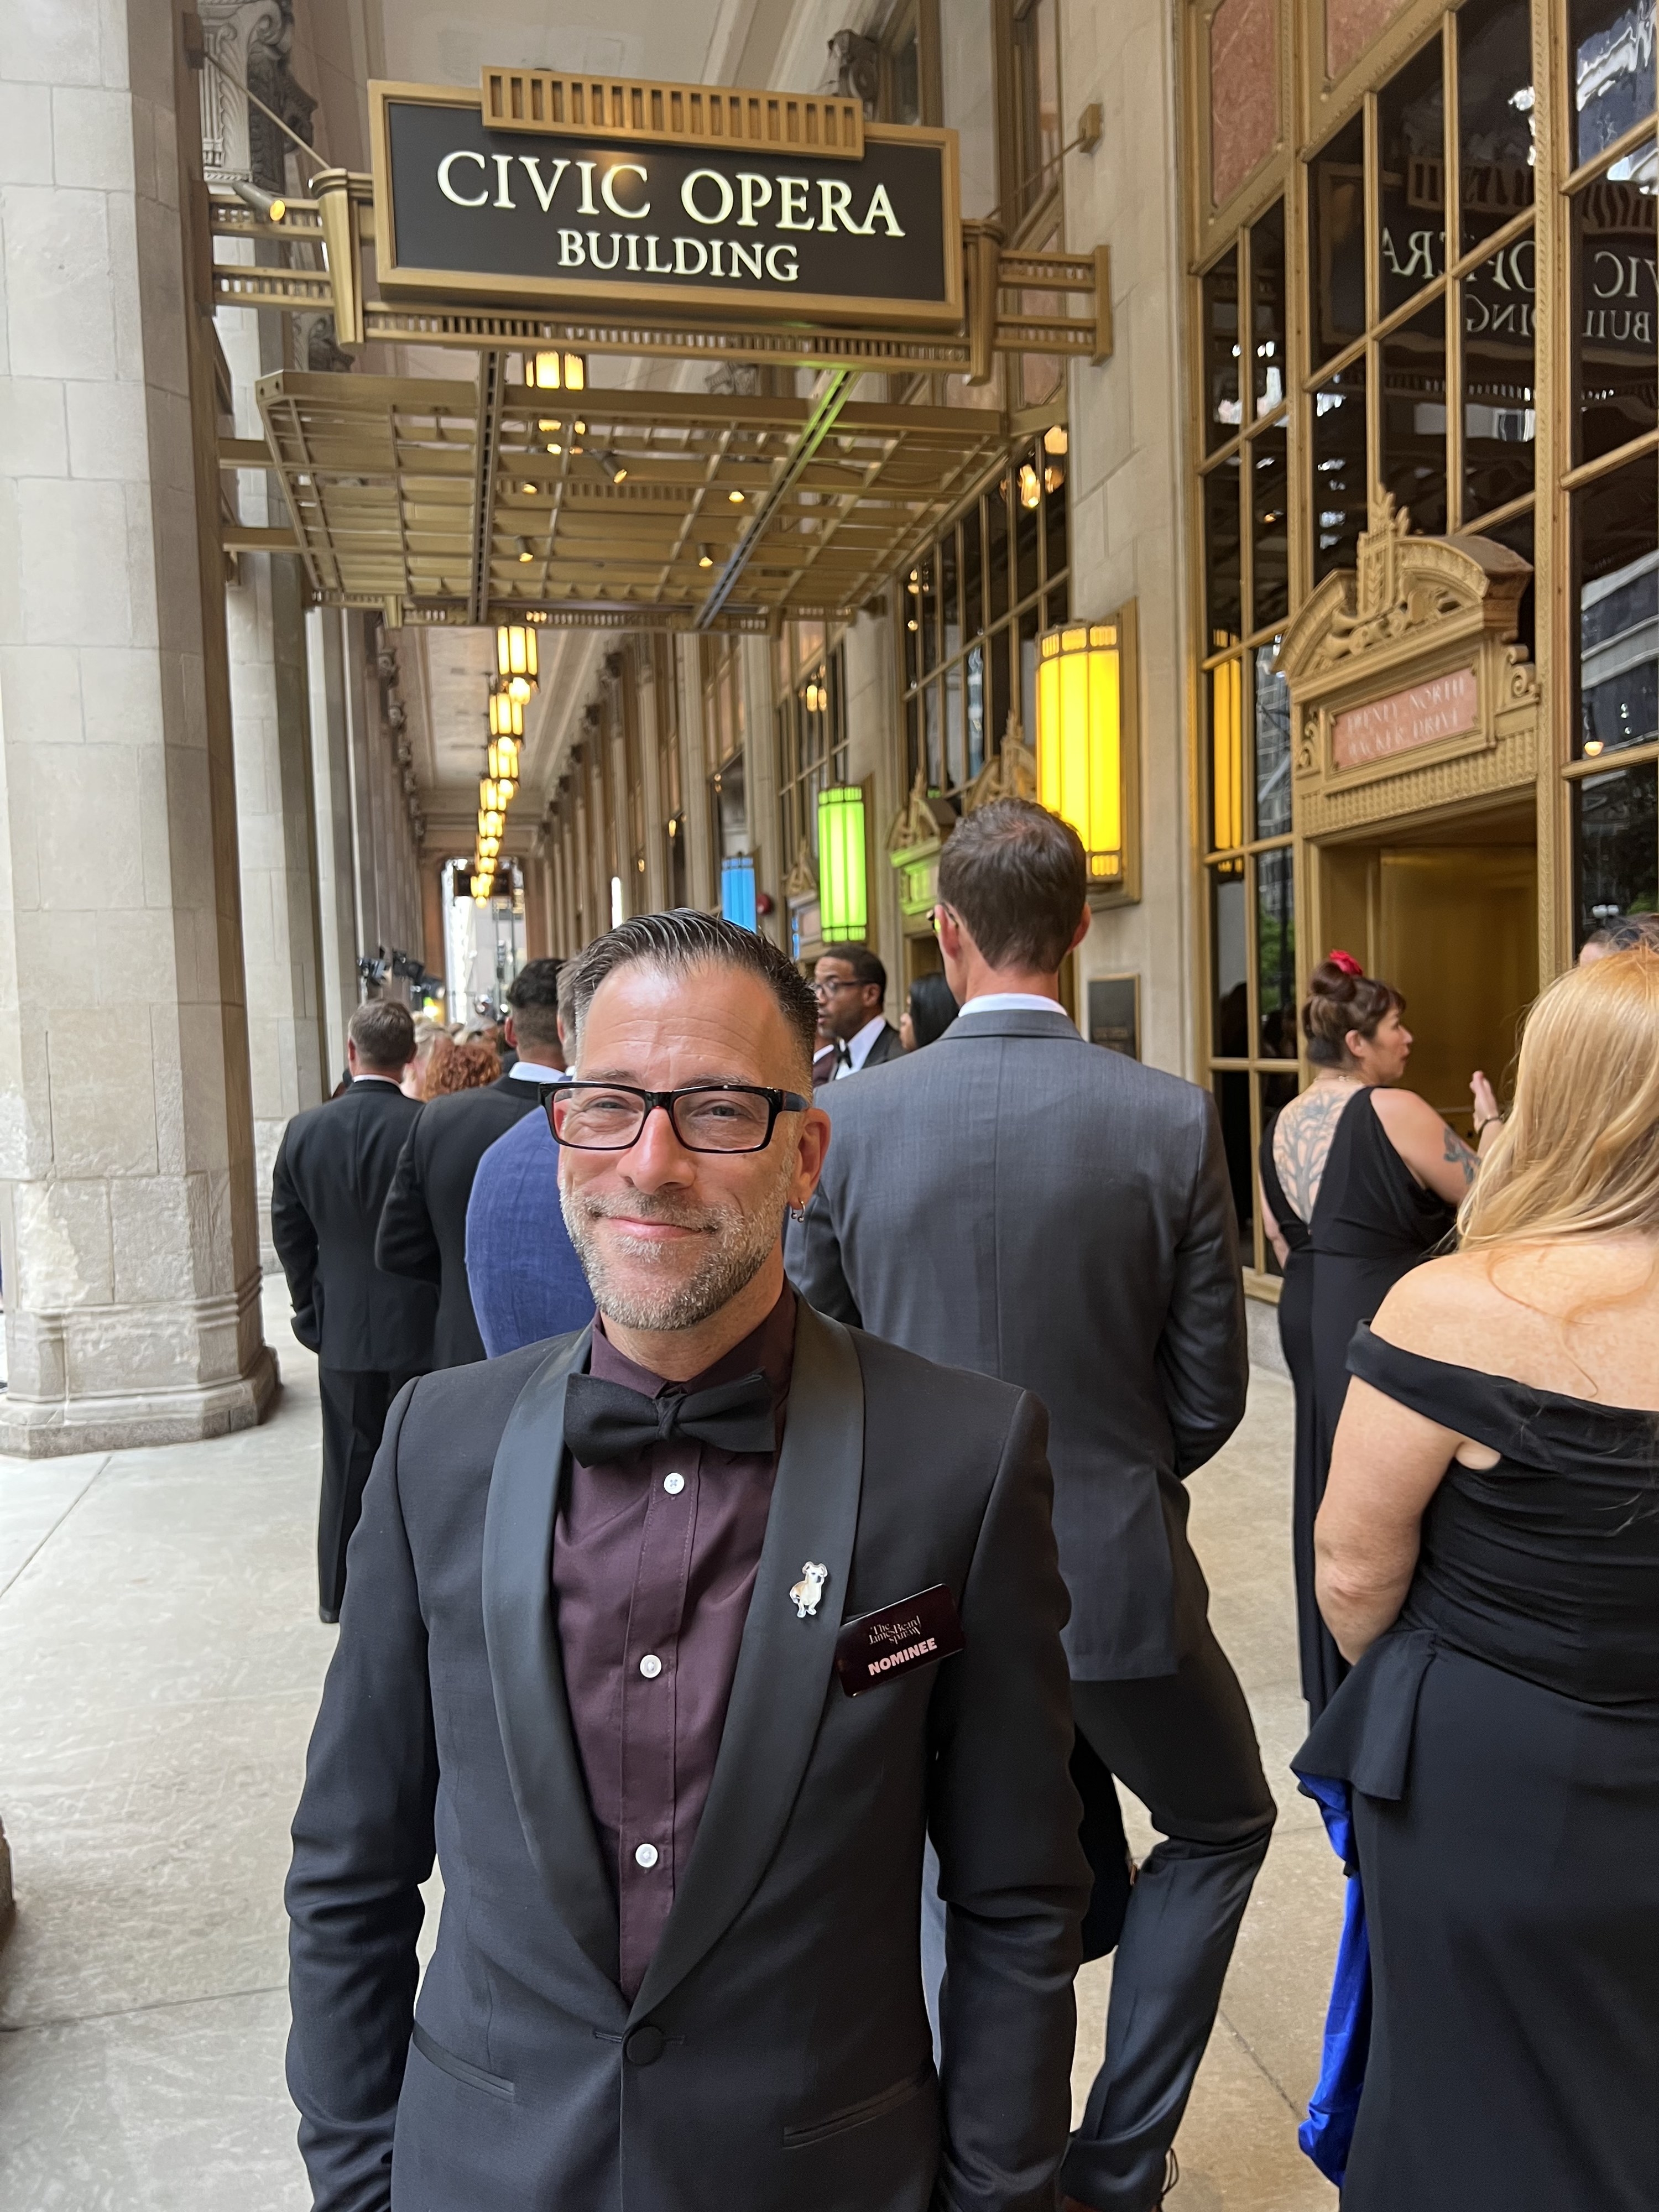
(1488, 1559)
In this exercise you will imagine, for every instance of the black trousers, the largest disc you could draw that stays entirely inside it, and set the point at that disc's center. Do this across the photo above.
(1185, 1744)
(355, 1406)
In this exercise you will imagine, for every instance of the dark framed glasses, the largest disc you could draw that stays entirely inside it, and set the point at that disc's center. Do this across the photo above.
(706, 1117)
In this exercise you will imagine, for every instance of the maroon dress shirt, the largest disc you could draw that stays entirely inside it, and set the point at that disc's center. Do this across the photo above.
(654, 1566)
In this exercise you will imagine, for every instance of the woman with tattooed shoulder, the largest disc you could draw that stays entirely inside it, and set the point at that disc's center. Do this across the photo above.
(1360, 1180)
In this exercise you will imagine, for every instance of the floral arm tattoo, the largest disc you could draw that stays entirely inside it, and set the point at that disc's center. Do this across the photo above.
(1457, 1154)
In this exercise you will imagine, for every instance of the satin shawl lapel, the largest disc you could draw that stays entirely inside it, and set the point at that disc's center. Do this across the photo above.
(526, 1666)
(784, 1662)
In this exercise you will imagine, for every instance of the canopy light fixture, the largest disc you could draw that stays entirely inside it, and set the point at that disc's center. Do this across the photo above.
(1054, 438)
(556, 371)
(818, 695)
(505, 715)
(1030, 486)
(1079, 734)
(504, 758)
(843, 881)
(272, 205)
(705, 558)
(612, 467)
(735, 496)
(495, 794)
(516, 658)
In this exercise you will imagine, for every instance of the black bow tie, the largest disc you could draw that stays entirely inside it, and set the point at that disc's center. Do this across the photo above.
(606, 1421)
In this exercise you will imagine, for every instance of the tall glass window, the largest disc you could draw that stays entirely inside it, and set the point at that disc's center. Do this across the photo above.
(810, 688)
(973, 605)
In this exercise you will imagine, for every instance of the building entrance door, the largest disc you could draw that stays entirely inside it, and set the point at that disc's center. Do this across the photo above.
(1448, 913)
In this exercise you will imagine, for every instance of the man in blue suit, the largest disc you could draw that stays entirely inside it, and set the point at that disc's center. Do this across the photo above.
(522, 1270)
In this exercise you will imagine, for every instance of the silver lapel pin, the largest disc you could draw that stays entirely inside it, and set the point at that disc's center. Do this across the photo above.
(810, 1589)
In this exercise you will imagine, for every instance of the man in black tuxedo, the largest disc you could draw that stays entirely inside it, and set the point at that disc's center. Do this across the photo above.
(423, 1223)
(370, 1331)
(676, 1636)
(850, 985)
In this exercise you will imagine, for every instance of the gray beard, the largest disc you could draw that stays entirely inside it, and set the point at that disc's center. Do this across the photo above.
(739, 1246)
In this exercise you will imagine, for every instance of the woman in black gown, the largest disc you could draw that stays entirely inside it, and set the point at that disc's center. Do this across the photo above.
(1359, 1181)
(1488, 1554)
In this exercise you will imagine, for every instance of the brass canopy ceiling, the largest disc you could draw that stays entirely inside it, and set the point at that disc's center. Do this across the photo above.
(470, 503)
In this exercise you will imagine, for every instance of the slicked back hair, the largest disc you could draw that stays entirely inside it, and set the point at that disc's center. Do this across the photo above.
(533, 997)
(383, 1030)
(1017, 875)
(686, 940)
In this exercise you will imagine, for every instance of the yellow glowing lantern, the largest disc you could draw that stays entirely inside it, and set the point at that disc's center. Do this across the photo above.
(1080, 739)
(843, 884)
(1226, 757)
(504, 759)
(516, 658)
(506, 716)
(491, 821)
(495, 794)
(556, 371)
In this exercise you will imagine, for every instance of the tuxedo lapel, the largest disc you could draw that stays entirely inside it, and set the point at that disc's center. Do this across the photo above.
(526, 1667)
(785, 1662)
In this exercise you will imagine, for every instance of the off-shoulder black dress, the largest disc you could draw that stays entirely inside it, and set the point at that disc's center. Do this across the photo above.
(1501, 1745)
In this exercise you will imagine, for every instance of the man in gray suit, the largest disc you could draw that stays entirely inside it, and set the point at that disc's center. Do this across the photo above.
(1024, 1204)
(676, 1636)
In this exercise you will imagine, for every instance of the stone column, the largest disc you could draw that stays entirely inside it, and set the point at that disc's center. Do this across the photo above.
(760, 758)
(702, 888)
(128, 1227)
(331, 773)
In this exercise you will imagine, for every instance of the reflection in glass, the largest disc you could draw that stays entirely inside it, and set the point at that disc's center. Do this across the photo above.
(1614, 330)
(1027, 499)
(1611, 43)
(996, 550)
(1226, 757)
(1616, 534)
(1222, 412)
(1500, 423)
(955, 753)
(950, 605)
(1275, 955)
(1028, 661)
(1232, 1098)
(998, 721)
(1336, 200)
(1272, 745)
(974, 694)
(1516, 534)
(1053, 506)
(1616, 839)
(1339, 465)
(1414, 364)
(912, 630)
(1270, 525)
(1495, 121)
(1224, 585)
(925, 604)
(973, 598)
(935, 752)
(1229, 954)
(1411, 132)
(912, 759)
(1267, 347)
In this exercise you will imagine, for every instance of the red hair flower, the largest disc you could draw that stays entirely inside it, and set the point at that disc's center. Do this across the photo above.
(1345, 962)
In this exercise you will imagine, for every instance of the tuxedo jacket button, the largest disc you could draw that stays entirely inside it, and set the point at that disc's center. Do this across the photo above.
(645, 2045)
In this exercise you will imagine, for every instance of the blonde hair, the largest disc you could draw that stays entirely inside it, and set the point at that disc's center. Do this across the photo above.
(1579, 1154)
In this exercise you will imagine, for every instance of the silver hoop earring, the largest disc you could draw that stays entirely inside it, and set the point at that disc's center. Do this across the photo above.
(797, 1214)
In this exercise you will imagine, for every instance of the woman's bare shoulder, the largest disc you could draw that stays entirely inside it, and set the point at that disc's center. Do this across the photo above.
(1442, 1303)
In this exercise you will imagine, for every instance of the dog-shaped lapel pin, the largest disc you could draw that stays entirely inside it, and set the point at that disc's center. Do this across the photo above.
(809, 1590)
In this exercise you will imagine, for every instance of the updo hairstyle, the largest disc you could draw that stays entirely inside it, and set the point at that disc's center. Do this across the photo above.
(1342, 997)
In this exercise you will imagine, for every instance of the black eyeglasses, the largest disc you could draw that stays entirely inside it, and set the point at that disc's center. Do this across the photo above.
(832, 983)
(707, 1117)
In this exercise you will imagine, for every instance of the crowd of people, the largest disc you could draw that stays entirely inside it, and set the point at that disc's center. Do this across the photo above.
(775, 1557)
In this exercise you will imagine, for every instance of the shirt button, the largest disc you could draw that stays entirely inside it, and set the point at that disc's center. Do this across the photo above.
(646, 1856)
(673, 1484)
(651, 1666)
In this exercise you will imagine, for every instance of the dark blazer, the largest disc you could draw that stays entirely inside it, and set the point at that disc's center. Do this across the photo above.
(777, 2056)
(888, 1046)
(423, 1223)
(334, 1167)
(1025, 1204)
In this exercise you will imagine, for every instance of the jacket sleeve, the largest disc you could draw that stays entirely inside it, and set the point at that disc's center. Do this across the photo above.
(362, 1845)
(1003, 1818)
(293, 1234)
(1203, 1355)
(812, 1261)
(406, 1243)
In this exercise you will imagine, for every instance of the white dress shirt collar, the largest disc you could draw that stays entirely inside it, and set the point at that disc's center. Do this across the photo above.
(1012, 1002)
(533, 1071)
(390, 1081)
(860, 1046)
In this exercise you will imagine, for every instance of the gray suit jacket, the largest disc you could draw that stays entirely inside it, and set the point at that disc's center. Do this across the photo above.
(1016, 1200)
(777, 2056)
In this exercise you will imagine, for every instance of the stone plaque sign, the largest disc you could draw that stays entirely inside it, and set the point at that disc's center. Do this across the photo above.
(602, 224)
(1447, 707)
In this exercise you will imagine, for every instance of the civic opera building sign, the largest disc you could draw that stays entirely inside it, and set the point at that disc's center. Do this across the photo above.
(731, 205)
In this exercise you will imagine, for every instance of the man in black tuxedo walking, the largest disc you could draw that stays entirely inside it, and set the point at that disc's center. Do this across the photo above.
(370, 1331)
(423, 1231)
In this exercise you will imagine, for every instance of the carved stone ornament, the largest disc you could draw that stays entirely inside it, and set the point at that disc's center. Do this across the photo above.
(1010, 772)
(802, 880)
(1406, 662)
(914, 843)
(251, 39)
